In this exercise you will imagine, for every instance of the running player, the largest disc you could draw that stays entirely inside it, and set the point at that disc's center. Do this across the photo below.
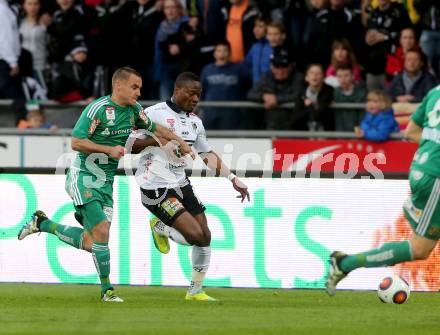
(167, 192)
(422, 208)
(99, 137)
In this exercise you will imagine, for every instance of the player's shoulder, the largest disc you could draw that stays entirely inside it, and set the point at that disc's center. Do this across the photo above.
(157, 108)
(196, 120)
(96, 106)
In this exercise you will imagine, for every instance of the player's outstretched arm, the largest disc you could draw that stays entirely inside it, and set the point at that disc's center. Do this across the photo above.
(86, 146)
(213, 161)
(413, 132)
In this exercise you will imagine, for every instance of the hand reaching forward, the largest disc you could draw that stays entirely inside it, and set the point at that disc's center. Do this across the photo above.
(241, 188)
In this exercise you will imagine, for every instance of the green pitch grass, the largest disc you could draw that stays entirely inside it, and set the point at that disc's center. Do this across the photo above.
(76, 309)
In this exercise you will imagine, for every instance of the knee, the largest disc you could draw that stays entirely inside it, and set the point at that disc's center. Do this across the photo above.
(87, 242)
(199, 238)
(421, 253)
(100, 232)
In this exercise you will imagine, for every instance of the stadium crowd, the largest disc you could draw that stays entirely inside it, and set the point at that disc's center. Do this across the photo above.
(310, 52)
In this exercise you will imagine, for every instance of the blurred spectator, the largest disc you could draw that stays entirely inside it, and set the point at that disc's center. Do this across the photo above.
(133, 27)
(276, 35)
(189, 40)
(430, 39)
(73, 78)
(378, 122)
(9, 55)
(282, 84)
(33, 34)
(35, 119)
(32, 89)
(272, 8)
(258, 57)
(348, 92)
(414, 82)
(168, 53)
(297, 18)
(210, 17)
(223, 81)
(396, 60)
(239, 16)
(342, 54)
(315, 100)
(336, 21)
(383, 28)
(68, 24)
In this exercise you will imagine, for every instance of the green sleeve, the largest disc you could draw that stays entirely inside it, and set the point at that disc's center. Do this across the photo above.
(87, 123)
(419, 115)
(143, 122)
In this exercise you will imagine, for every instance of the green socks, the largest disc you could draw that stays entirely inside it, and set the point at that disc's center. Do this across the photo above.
(67, 234)
(101, 257)
(388, 254)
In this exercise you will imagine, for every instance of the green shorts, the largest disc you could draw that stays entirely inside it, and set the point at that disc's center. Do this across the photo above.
(422, 208)
(92, 204)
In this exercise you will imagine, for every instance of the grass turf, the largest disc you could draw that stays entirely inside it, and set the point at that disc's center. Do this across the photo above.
(76, 309)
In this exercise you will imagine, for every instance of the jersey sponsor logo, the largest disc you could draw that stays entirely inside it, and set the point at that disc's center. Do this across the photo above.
(105, 132)
(95, 123)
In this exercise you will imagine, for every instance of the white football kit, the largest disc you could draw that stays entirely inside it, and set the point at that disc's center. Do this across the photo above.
(155, 169)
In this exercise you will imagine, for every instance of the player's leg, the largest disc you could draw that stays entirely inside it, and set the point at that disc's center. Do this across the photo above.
(422, 210)
(200, 236)
(41, 223)
(166, 205)
(97, 223)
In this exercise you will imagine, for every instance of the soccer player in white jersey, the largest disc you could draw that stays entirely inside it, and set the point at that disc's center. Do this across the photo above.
(166, 190)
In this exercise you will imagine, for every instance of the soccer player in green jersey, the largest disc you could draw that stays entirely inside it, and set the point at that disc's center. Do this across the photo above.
(422, 209)
(99, 137)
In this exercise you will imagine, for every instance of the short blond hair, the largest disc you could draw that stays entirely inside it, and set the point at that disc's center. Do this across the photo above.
(385, 101)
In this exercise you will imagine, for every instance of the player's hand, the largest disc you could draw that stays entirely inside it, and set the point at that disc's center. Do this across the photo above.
(172, 149)
(241, 188)
(117, 152)
(358, 132)
(185, 149)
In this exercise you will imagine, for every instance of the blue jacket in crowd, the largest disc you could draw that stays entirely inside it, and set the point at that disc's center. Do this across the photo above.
(378, 127)
(258, 59)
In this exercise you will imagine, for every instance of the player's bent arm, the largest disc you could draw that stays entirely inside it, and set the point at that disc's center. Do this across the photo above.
(88, 147)
(413, 132)
(170, 136)
(141, 144)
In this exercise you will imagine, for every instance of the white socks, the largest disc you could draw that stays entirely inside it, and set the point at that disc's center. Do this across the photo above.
(201, 257)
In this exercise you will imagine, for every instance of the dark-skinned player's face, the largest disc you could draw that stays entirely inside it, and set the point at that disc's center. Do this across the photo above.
(188, 96)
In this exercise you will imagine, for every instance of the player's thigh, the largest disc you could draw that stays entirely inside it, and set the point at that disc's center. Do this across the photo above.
(164, 203)
(422, 208)
(95, 220)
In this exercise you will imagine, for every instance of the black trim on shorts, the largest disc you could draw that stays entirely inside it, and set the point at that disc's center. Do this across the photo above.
(184, 195)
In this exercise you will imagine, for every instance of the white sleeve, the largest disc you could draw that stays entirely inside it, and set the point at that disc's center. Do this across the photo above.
(152, 114)
(201, 144)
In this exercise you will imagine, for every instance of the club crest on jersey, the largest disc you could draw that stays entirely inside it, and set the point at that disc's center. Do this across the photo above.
(194, 126)
(171, 122)
(132, 120)
(95, 123)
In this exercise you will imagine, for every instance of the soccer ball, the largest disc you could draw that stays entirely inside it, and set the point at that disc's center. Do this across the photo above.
(393, 290)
